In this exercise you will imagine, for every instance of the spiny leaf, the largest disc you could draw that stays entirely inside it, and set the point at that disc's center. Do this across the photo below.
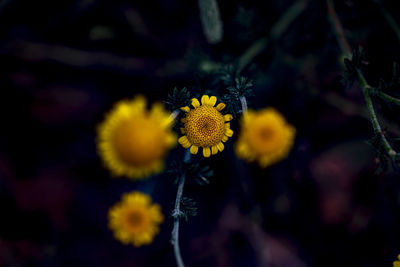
(351, 67)
(188, 208)
(177, 99)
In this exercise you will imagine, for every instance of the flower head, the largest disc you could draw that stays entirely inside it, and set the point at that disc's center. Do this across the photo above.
(265, 137)
(133, 141)
(205, 126)
(397, 263)
(135, 219)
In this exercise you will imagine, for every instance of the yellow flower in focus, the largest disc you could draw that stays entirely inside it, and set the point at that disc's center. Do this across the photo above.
(265, 137)
(397, 263)
(133, 141)
(205, 126)
(135, 220)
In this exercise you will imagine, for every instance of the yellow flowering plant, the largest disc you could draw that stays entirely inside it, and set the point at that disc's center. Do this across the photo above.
(205, 126)
(133, 141)
(135, 220)
(265, 137)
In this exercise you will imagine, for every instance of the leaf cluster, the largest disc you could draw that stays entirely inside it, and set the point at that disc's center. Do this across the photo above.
(376, 142)
(177, 99)
(236, 86)
(193, 171)
(352, 65)
(389, 85)
(188, 208)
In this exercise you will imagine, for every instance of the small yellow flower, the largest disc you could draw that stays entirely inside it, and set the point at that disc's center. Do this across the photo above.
(133, 141)
(265, 137)
(205, 126)
(397, 263)
(135, 220)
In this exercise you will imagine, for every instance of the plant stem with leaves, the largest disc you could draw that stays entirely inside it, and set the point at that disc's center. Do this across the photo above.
(176, 213)
(366, 88)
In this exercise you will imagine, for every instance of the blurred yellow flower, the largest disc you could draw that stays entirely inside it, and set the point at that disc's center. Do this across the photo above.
(397, 263)
(135, 220)
(265, 137)
(133, 141)
(205, 126)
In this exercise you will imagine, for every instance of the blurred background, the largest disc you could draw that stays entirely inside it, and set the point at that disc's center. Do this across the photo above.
(65, 63)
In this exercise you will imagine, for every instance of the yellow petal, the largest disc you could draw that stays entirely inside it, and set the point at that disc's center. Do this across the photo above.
(195, 103)
(227, 125)
(186, 109)
(220, 146)
(212, 101)
(206, 152)
(228, 117)
(186, 145)
(140, 102)
(221, 106)
(184, 141)
(224, 138)
(194, 149)
(182, 130)
(228, 132)
(205, 100)
(157, 109)
(214, 150)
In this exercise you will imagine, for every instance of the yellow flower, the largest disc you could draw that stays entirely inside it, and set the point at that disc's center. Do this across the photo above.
(133, 141)
(205, 126)
(397, 263)
(135, 220)
(265, 137)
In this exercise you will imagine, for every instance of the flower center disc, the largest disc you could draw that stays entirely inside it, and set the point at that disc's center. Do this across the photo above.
(136, 220)
(139, 141)
(264, 139)
(204, 126)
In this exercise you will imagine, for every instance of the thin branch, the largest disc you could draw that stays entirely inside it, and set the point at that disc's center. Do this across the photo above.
(337, 26)
(176, 213)
(174, 114)
(387, 97)
(98, 60)
(366, 88)
(374, 120)
(276, 32)
(211, 21)
(243, 102)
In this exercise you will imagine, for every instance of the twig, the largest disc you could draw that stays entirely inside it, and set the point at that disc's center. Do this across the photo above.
(174, 114)
(77, 58)
(243, 102)
(337, 26)
(211, 21)
(387, 97)
(276, 32)
(374, 120)
(176, 213)
(366, 88)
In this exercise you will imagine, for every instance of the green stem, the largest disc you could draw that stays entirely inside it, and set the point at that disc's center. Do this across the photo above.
(338, 29)
(276, 32)
(176, 213)
(366, 88)
(387, 97)
(374, 120)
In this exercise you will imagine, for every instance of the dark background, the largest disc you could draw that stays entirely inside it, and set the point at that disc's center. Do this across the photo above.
(64, 64)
